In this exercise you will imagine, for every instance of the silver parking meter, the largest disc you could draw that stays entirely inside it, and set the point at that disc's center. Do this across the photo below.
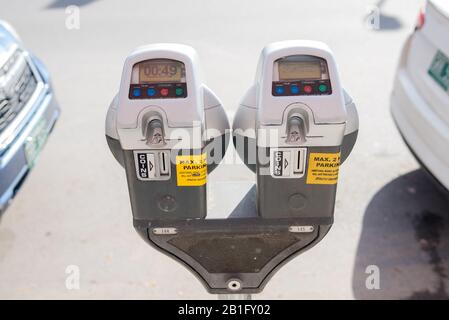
(294, 128)
(163, 127)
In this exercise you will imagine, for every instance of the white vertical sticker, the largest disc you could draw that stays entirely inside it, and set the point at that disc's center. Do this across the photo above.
(287, 162)
(151, 165)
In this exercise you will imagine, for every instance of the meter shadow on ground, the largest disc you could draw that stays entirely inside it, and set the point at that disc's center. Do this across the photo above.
(62, 4)
(405, 235)
(247, 207)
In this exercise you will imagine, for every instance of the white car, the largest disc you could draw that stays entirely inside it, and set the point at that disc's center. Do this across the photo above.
(420, 98)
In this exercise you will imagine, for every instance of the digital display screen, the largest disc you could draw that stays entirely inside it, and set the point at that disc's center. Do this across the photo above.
(161, 70)
(300, 75)
(299, 70)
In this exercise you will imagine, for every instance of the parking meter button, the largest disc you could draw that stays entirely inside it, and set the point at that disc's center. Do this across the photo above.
(294, 89)
(137, 92)
(279, 90)
(179, 91)
(151, 92)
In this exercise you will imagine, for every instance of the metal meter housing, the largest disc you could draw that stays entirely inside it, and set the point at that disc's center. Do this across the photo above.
(294, 127)
(163, 116)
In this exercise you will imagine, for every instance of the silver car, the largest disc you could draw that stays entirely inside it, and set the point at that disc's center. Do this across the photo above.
(28, 112)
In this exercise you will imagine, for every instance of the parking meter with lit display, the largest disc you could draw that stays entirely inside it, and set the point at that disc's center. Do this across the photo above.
(163, 126)
(294, 128)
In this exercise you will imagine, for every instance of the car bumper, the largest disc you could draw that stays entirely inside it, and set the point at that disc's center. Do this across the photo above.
(423, 130)
(14, 164)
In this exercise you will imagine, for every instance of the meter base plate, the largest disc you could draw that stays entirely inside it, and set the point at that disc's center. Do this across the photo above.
(234, 255)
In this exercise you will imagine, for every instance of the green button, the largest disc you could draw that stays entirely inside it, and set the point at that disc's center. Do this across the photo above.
(322, 88)
(179, 91)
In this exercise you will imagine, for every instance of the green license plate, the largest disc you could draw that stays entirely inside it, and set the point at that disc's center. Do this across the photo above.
(35, 142)
(439, 70)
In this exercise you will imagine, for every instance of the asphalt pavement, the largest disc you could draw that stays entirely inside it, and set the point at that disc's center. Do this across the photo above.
(73, 210)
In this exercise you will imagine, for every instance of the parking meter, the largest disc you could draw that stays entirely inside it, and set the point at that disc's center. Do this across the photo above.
(294, 128)
(164, 126)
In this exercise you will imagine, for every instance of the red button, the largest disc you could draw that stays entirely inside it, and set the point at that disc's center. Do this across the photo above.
(164, 92)
(307, 89)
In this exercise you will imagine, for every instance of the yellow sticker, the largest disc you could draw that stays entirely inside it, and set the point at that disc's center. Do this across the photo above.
(191, 170)
(323, 168)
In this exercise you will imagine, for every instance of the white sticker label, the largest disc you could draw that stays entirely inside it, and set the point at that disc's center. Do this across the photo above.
(301, 229)
(287, 162)
(162, 231)
(152, 165)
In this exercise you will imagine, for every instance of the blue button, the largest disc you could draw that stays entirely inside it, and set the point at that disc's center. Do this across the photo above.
(136, 92)
(151, 92)
(294, 89)
(279, 90)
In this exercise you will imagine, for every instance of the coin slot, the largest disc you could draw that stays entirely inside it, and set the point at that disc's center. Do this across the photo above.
(164, 163)
(299, 161)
